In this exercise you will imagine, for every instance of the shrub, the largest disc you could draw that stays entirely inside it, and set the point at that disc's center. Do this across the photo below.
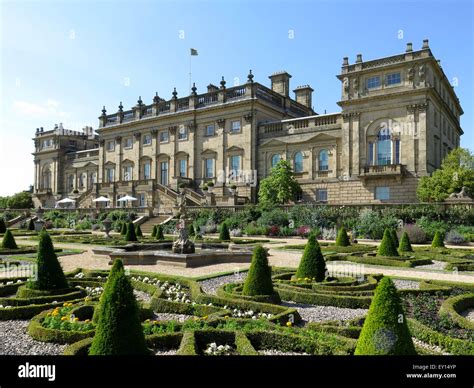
(438, 240)
(159, 233)
(31, 225)
(191, 231)
(372, 224)
(405, 245)
(131, 235)
(342, 239)
(273, 231)
(385, 330)
(253, 230)
(259, 278)
(153, 232)
(415, 233)
(312, 264)
(224, 234)
(8, 241)
(50, 275)
(123, 231)
(119, 331)
(455, 238)
(303, 231)
(430, 227)
(138, 231)
(393, 231)
(387, 246)
(273, 217)
(3, 227)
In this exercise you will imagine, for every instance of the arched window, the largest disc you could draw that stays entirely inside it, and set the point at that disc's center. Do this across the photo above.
(323, 160)
(70, 182)
(298, 161)
(46, 178)
(275, 159)
(384, 147)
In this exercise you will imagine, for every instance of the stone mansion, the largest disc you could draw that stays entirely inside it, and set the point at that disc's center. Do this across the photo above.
(399, 117)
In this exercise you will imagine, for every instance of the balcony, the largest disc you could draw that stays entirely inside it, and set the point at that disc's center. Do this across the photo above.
(382, 171)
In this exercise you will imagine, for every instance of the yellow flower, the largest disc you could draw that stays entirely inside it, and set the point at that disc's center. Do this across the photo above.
(226, 317)
(64, 304)
(196, 318)
(147, 321)
(86, 321)
(204, 317)
(289, 324)
(76, 319)
(155, 322)
(63, 318)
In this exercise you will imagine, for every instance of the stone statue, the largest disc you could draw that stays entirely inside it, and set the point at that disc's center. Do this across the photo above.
(422, 74)
(183, 244)
(345, 85)
(355, 86)
(463, 195)
(411, 75)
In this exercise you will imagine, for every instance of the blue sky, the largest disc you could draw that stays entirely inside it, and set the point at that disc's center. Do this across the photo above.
(62, 61)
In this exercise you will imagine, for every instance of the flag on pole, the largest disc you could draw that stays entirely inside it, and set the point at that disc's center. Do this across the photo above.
(194, 52)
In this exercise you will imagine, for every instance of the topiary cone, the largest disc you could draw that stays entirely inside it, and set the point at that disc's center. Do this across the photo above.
(31, 224)
(224, 234)
(312, 264)
(8, 241)
(153, 231)
(405, 244)
(123, 230)
(438, 240)
(342, 239)
(395, 238)
(191, 231)
(259, 278)
(131, 235)
(119, 330)
(138, 231)
(159, 233)
(387, 247)
(3, 227)
(385, 330)
(50, 274)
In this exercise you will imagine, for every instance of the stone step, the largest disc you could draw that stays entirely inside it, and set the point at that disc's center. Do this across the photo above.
(147, 226)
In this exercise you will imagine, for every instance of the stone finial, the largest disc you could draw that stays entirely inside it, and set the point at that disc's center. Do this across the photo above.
(175, 94)
(359, 58)
(345, 61)
(120, 107)
(156, 98)
(222, 83)
(140, 102)
(409, 48)
(425, 44)
(37, 130)
(194, 89)
(41, 129)
(250, 77)
(104, 111)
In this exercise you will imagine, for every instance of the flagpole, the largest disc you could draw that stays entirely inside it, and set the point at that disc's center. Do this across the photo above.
(190, 57)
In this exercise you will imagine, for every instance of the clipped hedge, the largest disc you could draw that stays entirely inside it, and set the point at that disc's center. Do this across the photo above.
(29, 311)
(234, 290)
(453, 307)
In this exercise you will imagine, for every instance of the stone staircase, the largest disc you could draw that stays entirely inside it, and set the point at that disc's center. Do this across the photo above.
(147, 226)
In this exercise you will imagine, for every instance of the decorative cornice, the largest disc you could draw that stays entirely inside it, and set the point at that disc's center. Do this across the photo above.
(154, 131)
(172, 128)
(412, 108)
(347, 116)
(220, 123)
(137, 135)
(118, 139)
(248, 117)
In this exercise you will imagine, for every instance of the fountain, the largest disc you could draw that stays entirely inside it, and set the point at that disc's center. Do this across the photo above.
(183, 244)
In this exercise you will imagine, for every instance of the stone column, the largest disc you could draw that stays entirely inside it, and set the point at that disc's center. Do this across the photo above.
(54, 176)
(137, 156)
(118, 158)
(154, 150)
(358, 144)
(420, 139)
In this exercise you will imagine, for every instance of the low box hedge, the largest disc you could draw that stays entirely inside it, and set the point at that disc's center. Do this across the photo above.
(453, 307)
(234, 290)
(28, 311)
(344, 331)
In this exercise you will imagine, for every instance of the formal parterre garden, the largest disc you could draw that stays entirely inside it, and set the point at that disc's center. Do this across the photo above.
(267, 311)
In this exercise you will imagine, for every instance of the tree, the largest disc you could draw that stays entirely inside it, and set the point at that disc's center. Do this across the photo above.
(438, 240)
(20, 200)
(123, 230)
(119, 330)
(50, 274)
(342, 239)
(224, 234)
(259, 278)
(131, 235)
(280, 186)
(456, 172)
(385, 330)
(8, 241)
(394, 237)
(159, 233)
(3, 227)
(405, 244)
(312, 264)
(387, 247)
(138, 231)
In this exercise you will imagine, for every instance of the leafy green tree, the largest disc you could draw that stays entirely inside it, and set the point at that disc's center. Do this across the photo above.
(3, 227)
(438, 240)
(385, 330)
(456, 172)
(405, 244)
(131, 235)
(50, 274)
(387, 247)
(119, 330)
(224, 234)
(312, 264)
(159, 233)
(8, 241)
(280, 186)
(20, 200)
(259, 278)
(342, 239)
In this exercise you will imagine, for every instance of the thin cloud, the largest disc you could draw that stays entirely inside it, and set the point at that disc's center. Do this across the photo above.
(50, 108)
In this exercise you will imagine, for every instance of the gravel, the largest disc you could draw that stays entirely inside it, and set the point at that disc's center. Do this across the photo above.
(274, 352)
(15, 341)
(440, 265)
(432, 348)
(142, 296)
(468, 314)
(171, 317)
(171, 352)
(406, 284)
(210, 286)
(313, 313)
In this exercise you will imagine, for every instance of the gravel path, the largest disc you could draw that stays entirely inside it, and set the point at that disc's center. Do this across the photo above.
(406, 284)
(274, 352)
(440, 265)
(171, 352)
(468, 314)
(171, 317)
(431, 348)
(142, 296)
(313, 313)
(210, 286)
(15, 341)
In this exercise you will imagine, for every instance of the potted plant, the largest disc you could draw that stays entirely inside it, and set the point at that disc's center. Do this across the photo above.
(210, 186)
(233, 189)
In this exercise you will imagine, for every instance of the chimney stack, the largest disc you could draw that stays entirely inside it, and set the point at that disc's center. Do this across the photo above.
(425, 44)
(409, 48)
(304, 95)
(359, 58)
(281, 83)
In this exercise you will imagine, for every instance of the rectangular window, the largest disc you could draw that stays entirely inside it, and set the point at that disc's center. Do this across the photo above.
(147, 170)
(127, 173)
(322, 195)
(164, 137)
(397, 151)
(382, 193)
(373, 82)
(394, 79)
(183, 167)
(210, 130)
(164, 173)
(209, 168)
(182, 133)
(235, 126)
(235, 163)
(109, 174)
(128, 143)
(111, 145)
(147, 140)
(371, 154)
(142, 200)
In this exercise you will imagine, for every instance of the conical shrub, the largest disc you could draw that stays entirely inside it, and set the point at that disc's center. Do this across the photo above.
(224, 234)
(342, 239)
(159, 233)
(153, 231)
(131, 235)
(138, 231)
(385, 330)
(31, 225)
(405, 244)
(438, 240)
(312, 264)
(50, 275)
(387, 246)
(8, 241)
(395, 237)
(119, 330)
(259, 278)
(3, 227)
(191, 231)
(123, 231)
